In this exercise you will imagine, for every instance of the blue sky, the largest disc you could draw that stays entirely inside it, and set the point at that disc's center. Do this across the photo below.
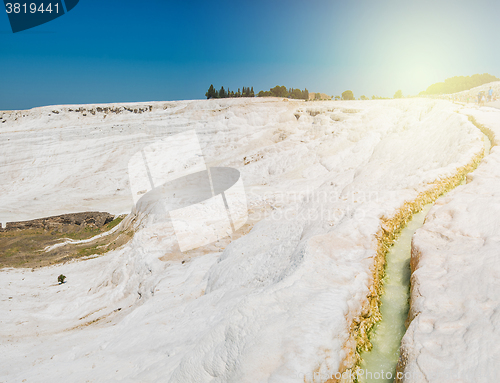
(119, 51)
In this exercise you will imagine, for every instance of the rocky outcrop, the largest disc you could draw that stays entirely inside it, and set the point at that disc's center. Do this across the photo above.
(60, 222)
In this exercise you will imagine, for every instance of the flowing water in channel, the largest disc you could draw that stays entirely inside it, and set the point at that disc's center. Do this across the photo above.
(379, 364)
(386, 335)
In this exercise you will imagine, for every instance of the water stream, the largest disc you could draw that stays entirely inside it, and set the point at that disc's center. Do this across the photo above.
(386, 335)
(379, 364)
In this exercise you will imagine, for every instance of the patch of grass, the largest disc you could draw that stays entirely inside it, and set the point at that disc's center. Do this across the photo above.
(25, 247)
(114, 223)
(11, 251)
(86, 233)
(88, 251)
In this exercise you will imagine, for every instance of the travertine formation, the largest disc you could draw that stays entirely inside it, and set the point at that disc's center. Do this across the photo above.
(454, 318)
(292, 298)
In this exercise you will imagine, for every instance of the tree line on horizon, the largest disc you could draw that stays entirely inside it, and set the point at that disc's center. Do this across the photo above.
(281, 91)
(277, 91)
(450, 85)
(222, 93)
(349, 95)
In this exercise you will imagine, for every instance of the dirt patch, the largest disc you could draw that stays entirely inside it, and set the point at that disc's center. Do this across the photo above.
(23, 244)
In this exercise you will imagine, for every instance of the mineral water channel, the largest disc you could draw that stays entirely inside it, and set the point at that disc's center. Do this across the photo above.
(379, 364)
(386, 335)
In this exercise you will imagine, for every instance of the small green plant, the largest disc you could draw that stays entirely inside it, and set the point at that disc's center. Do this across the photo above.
(61, 278)
(114, 223)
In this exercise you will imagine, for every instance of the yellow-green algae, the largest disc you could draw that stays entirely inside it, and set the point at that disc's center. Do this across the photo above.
(390, 227)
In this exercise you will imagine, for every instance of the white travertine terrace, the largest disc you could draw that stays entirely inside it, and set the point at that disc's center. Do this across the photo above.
(276, 304)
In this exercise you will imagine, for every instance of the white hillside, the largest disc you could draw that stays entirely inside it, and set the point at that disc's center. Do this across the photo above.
(455, 306)
(276, 304)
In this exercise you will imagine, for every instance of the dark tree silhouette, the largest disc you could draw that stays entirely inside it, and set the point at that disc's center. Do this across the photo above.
(222, 92)
(211, 92)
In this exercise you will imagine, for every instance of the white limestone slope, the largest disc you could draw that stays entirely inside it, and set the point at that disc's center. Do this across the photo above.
(276, 304)
(454, 335)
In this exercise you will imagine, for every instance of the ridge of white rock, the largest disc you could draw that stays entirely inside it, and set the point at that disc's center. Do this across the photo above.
(277, 304)
(455, 285)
